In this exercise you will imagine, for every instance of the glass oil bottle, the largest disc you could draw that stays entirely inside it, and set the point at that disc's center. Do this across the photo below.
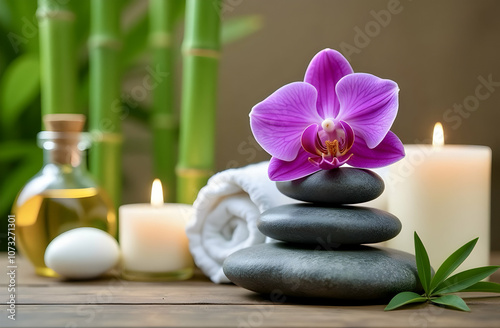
(63, 195)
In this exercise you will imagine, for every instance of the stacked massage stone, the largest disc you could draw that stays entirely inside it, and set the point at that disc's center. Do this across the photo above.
(320, 249)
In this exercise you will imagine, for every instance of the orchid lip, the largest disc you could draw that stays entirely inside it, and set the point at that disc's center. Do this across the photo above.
(331, 149)
(325, 164)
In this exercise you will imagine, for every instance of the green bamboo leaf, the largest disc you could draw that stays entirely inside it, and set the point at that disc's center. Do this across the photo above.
(16, 179)
(403, 299)
(452, 301)
(17, 149)
(452, 263)
(240, 27)
(5, 13)
(483, 286)
(7, 54)
(22, 25)
(22, 10)
(464, 279)
(423, 264)
(19, 87)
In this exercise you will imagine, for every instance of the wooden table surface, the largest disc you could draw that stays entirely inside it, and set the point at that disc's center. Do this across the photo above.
(111, 302)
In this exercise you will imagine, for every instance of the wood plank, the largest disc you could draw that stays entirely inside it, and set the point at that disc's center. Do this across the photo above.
(157, 294)
(122, 292)
(484, 314)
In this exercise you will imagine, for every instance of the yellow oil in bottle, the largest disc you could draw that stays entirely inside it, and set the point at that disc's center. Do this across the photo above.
(44, 216)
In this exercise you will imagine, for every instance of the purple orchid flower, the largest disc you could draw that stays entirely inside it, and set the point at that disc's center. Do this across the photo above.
(332, 118)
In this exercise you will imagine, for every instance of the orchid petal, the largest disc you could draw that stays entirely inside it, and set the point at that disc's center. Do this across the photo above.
(310, 140)
(278, 121)
(283, 171)
(323, 72)
(368, 104)
(389, 151)
(348, 139)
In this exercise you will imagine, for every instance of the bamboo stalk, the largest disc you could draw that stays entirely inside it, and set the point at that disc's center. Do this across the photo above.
(201, 51)
(164, 121)
(57, 57)
(104, 105)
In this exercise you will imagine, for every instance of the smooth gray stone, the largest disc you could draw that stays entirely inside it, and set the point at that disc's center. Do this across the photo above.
(344, 185)
(313, 224)
(355, 273)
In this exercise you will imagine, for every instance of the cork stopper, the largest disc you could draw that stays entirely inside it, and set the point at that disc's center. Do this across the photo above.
(64, 122)
(67, 129)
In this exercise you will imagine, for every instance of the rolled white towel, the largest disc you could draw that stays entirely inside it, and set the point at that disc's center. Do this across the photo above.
(225, 216)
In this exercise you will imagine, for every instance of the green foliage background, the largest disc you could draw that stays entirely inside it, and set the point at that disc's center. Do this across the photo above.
(20, 119)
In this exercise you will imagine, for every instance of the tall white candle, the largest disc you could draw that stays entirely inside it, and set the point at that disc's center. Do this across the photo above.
(153, 239)
(443, 193)
(382, 201)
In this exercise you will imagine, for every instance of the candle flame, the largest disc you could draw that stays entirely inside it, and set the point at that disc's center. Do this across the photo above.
(157, 193)
(438, 136)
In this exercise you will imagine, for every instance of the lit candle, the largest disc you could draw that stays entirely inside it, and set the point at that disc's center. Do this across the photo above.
(153, 239)
(442, 193)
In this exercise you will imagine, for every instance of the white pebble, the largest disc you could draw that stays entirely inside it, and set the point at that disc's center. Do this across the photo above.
(82, 253)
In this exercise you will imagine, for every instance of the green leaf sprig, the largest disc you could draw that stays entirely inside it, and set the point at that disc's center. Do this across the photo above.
(438, 288)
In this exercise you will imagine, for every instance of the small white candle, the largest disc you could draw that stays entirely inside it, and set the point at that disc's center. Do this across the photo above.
(153, 239)
(442, 193)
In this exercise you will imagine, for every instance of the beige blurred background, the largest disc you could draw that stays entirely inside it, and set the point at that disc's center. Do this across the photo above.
(435, 50)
